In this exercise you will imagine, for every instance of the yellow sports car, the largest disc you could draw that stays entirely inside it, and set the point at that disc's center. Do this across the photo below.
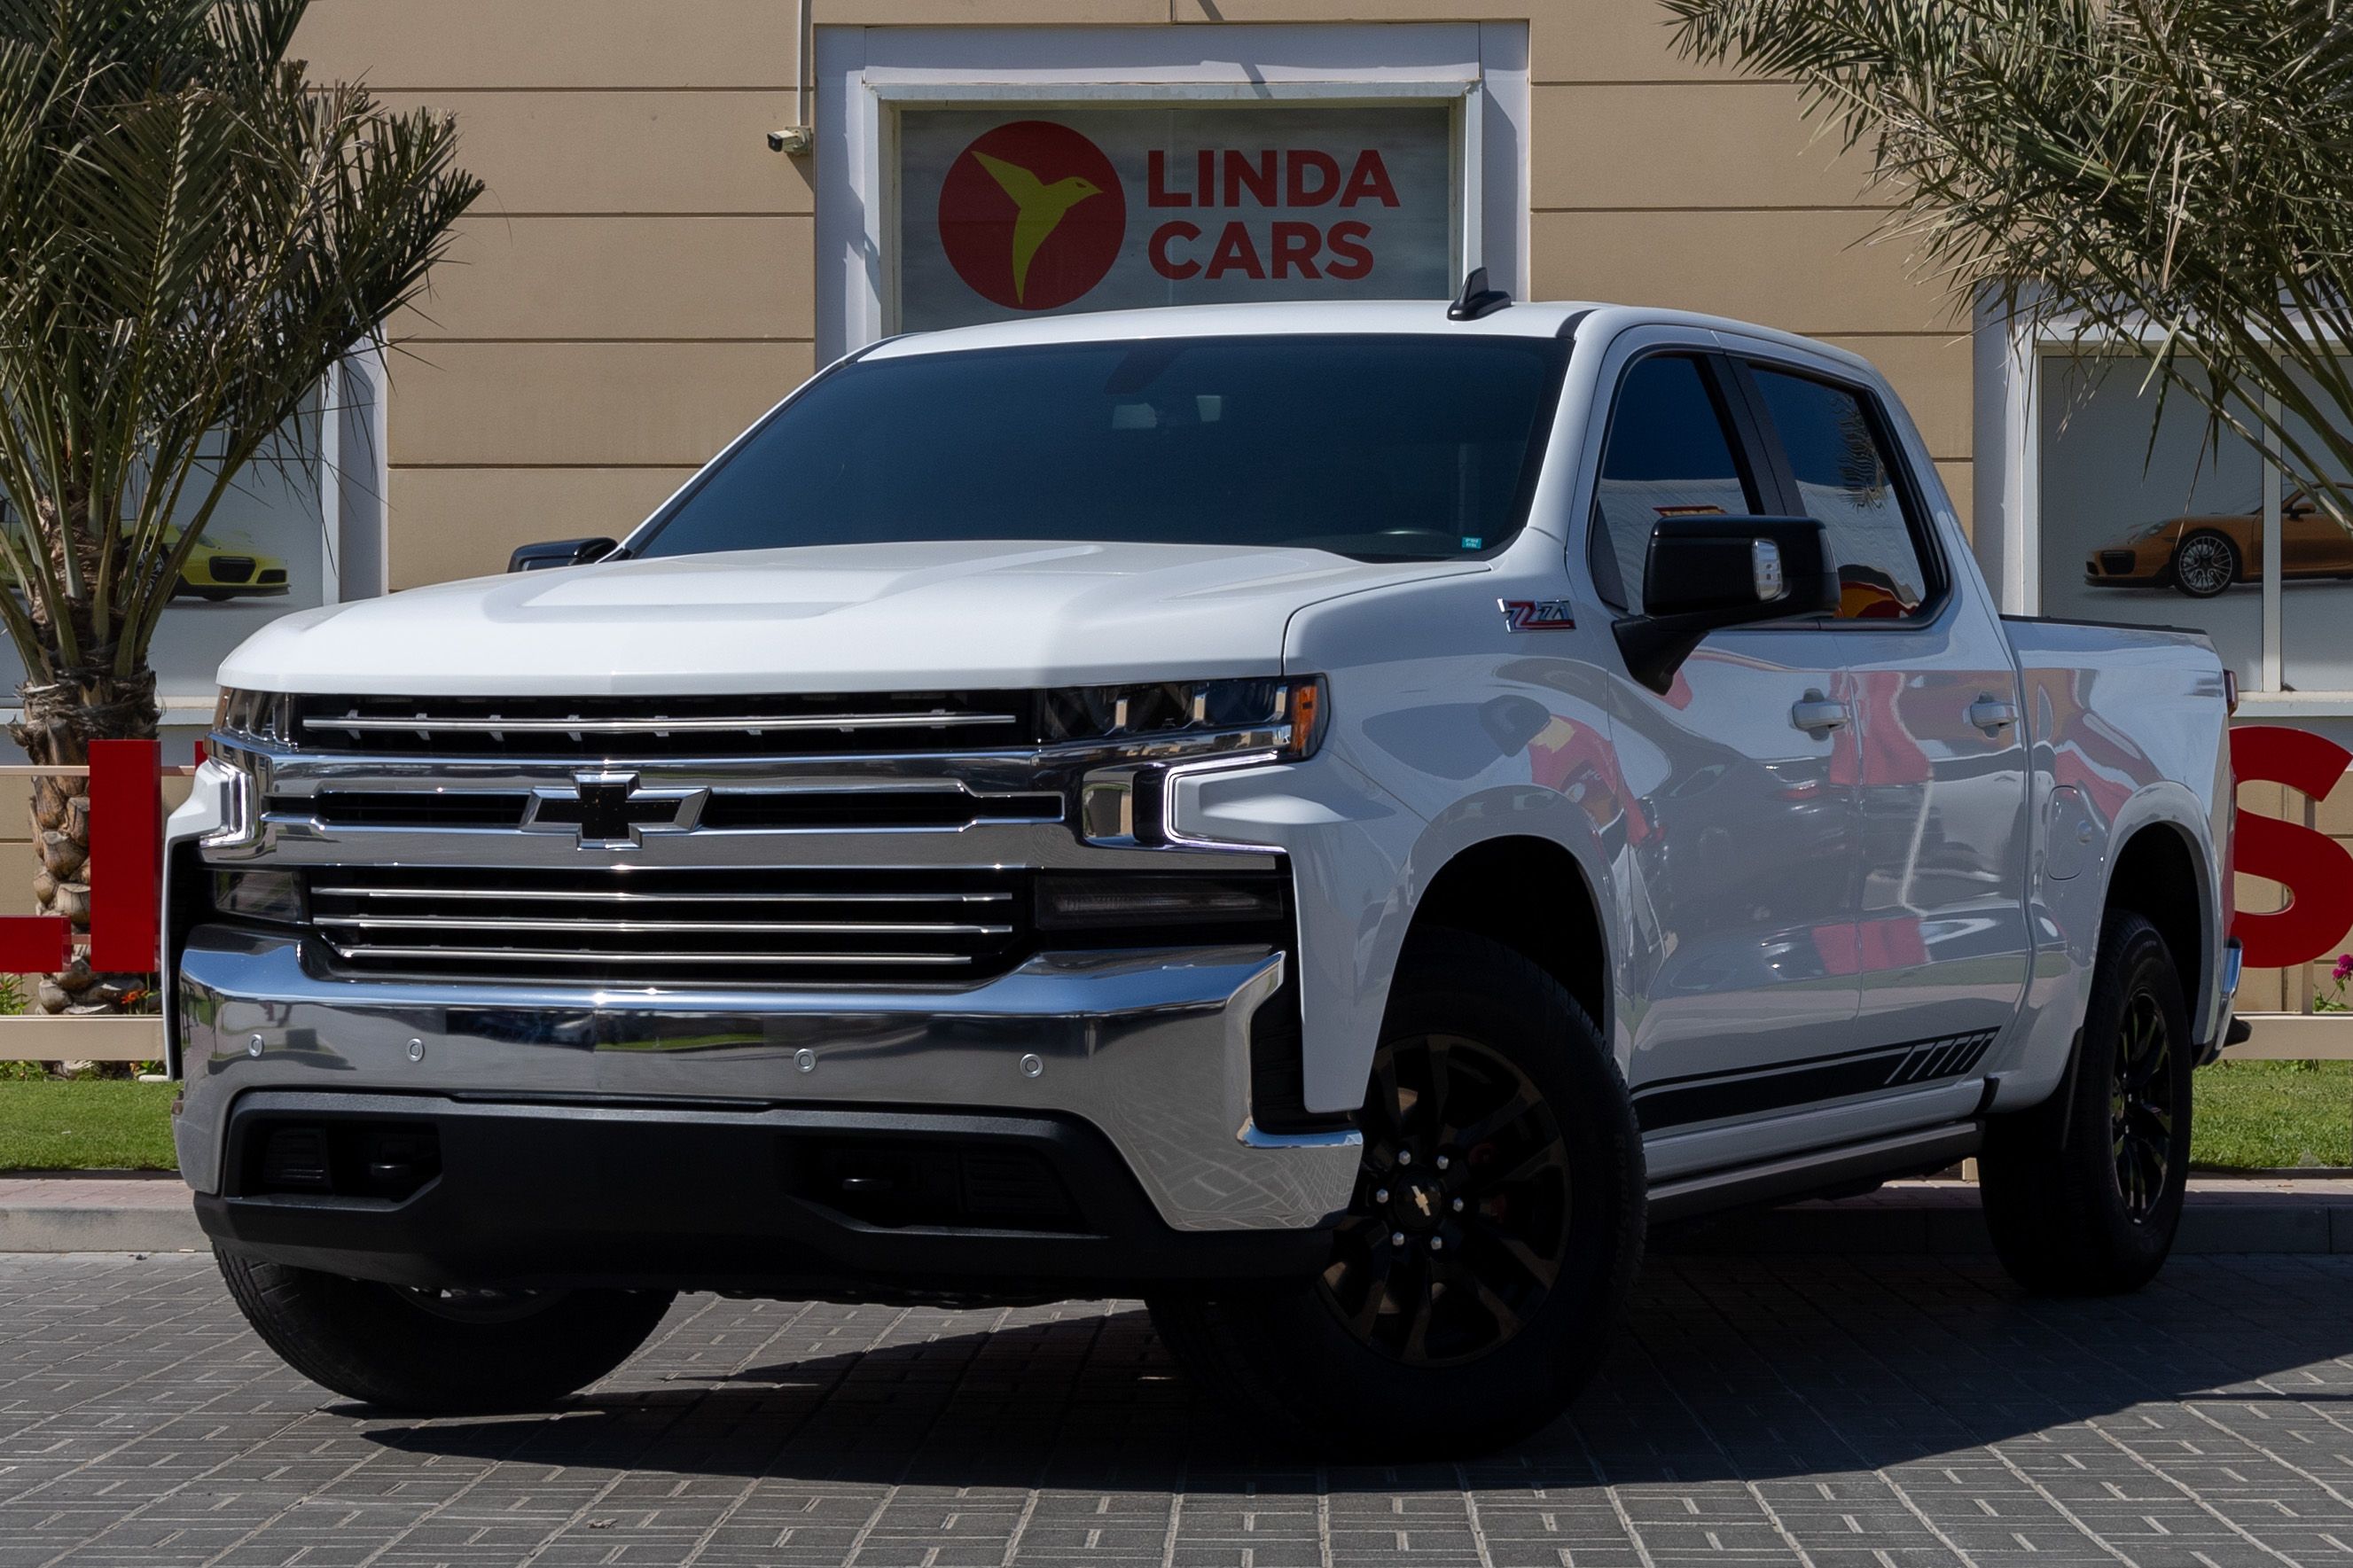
(2201, 556)
(216, 572)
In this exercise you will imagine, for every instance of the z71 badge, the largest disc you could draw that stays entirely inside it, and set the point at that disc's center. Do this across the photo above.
(1537, 614)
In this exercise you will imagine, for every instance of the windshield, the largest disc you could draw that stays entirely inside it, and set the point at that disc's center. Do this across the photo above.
(1405, 448)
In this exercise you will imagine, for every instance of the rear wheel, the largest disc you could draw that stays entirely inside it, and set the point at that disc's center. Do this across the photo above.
(439, 1351)
(2084, 1193)
(1496, 1225)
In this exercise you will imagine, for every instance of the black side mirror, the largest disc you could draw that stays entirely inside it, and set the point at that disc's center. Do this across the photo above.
(559, 553)
(1705, 574)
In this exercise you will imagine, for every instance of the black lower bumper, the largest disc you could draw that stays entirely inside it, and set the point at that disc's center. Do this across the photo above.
(815, 1203)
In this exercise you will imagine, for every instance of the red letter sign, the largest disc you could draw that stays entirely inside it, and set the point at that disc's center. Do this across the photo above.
(2314, 868)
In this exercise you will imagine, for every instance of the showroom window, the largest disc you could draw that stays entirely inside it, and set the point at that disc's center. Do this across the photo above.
(2148, 512)
(2100, 498)
(2126, 501)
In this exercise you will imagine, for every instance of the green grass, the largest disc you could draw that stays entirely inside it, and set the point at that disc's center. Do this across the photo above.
(90, 1124)
(2273, 1115)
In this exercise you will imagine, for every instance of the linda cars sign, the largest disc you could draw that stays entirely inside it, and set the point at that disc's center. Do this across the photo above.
(1004, 215)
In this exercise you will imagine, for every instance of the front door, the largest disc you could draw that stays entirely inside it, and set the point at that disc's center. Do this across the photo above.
(1741, 882)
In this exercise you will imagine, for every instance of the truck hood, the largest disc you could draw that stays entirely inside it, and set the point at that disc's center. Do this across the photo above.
(823, 618)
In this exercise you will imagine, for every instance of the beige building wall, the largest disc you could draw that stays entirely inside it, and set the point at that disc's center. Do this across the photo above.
(637, 284)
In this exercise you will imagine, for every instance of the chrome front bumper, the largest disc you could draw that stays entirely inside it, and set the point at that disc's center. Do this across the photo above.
(1151, 1049)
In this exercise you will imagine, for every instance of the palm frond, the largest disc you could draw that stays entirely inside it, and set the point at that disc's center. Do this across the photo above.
(191, 235)
(2174, 174)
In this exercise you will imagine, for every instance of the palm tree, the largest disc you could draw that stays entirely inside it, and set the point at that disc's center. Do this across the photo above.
(190, 236)
(2174, 174)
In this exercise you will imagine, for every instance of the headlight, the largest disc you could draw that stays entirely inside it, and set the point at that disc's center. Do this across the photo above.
(1174, 719)
(1156, 734)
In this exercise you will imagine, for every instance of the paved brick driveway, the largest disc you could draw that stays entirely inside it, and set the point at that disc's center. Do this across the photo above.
(1821, 1411)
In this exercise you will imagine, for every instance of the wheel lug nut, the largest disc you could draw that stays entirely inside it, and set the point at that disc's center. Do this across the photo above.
(1380, 1194)
(1437, 1244)
(1396, 1239)
(1458, 1205)
(1405, 1156)
(1444, 1162)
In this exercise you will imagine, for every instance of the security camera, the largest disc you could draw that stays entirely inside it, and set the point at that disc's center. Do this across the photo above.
(776, 140)
(793, 138)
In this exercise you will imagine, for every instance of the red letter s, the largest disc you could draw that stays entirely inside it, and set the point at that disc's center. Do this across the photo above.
(2314, 868)
(1348, 242)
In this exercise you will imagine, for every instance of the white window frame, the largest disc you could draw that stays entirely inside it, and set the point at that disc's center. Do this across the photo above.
(2007, 471)
(868, 76)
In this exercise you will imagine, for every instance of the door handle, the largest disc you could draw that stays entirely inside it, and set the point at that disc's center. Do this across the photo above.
(1991, 714)
(1815, 711)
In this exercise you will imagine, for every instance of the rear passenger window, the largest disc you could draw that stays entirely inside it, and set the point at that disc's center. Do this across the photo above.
(1670, 454)
(1846, 479)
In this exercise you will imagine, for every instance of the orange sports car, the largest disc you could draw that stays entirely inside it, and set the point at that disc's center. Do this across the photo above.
(2203, 555)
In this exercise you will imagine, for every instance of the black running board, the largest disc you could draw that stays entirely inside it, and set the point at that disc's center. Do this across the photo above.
(1795, 1176)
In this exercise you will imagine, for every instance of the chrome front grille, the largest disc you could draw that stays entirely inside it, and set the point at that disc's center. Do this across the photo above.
(748, 808)
(595, 727)
(884, 840)
(633, 925)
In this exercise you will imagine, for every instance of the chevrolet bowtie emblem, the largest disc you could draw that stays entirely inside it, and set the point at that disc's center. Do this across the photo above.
(610, 811)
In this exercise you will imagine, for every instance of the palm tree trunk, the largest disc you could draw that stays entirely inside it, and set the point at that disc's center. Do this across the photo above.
(60, 719)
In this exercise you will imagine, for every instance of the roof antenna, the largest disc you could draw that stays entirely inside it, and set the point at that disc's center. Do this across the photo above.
(1476, 299)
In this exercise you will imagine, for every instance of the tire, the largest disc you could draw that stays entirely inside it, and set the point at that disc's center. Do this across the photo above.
(439, 1355)
(2082, 1193)
(1413, 1350)
(2205, 564)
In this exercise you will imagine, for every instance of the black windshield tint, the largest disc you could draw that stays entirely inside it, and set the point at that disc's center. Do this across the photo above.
(1376, 448)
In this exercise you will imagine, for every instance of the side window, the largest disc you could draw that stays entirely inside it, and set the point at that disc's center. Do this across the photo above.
(1670, 454)
(1847, 479)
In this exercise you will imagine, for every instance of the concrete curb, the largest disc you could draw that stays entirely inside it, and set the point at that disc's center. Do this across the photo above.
(101, 1230)
(2223, 1215)
(97, 1214)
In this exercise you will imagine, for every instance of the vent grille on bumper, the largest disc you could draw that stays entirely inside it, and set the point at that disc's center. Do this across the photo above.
(593, 728)
(634, 925)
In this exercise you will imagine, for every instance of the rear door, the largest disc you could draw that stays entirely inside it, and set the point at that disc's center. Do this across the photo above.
(1941, 846)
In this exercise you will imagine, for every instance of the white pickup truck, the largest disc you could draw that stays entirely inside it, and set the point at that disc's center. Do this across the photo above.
(1329, 818)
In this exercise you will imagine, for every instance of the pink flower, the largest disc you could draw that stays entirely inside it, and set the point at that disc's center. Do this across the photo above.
(2344, 970)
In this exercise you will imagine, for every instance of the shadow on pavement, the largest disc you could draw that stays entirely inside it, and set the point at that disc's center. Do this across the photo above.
(1730, 1368)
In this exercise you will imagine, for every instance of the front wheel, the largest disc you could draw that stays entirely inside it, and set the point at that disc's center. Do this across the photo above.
(1496, 1225)
(2084, 1193)
(439, 1352)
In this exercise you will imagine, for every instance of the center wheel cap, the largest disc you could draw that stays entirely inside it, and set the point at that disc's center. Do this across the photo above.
(1417, 1205)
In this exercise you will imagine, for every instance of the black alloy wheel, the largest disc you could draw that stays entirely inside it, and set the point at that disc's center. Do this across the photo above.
(1486, 1246)
(1461, 1213)
(2140, 1107)
(2083, 1190)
